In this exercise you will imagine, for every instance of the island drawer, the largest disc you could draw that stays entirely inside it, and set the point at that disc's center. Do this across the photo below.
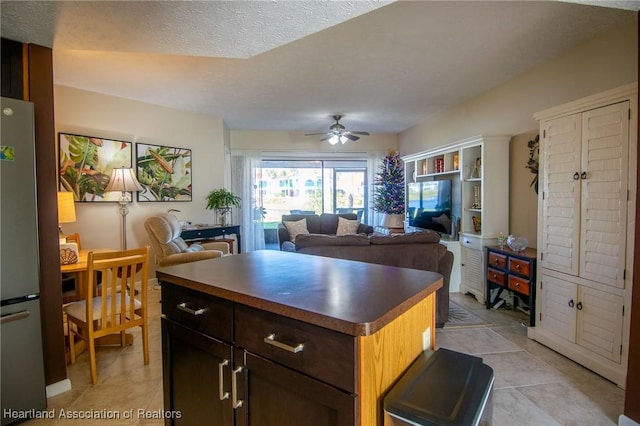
(208, 314)
(321, 353)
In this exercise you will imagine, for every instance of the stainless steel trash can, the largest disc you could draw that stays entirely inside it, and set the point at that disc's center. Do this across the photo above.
(442, 388)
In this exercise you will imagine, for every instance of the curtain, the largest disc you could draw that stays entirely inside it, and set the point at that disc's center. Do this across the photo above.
(245, 173)
(374, 162)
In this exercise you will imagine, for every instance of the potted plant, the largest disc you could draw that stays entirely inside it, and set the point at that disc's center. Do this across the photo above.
(388, 197)
(221, 200)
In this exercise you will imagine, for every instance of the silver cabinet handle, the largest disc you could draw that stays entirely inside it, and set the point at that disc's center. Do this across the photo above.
(183, 307)
(14, 317)
(223, 395)
(271, 340)
(237, 403)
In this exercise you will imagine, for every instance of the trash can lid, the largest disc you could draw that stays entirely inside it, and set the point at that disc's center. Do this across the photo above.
(441, 388)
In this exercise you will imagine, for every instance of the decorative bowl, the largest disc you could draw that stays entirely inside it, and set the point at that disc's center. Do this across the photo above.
(517, 242)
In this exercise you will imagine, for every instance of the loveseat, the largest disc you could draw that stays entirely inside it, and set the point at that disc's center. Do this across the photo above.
(418, 250)
(326, 223)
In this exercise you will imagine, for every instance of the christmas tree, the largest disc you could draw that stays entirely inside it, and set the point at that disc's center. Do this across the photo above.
(388, 196)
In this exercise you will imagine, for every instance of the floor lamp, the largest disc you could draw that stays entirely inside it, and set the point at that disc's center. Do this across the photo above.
(123, 180)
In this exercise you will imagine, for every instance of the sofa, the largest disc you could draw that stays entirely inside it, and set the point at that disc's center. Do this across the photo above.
(326, 223)
(417, 250)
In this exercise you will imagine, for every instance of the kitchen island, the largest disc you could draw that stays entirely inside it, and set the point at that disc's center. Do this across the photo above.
(276, 338)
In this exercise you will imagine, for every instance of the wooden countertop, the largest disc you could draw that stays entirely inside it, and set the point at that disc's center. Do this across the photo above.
(351, 297)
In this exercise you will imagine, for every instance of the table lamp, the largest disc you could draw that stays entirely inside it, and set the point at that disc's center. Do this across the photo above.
(123, 180)
(66, 212)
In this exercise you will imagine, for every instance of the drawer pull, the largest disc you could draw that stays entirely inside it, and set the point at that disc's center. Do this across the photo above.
(571, 304)
(271, 340)
(237, 403)
(517, 267)
(223, 395)
(183, 307)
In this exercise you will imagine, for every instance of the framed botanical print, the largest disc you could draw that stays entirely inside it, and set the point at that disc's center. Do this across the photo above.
(164, 172)
(85, 165)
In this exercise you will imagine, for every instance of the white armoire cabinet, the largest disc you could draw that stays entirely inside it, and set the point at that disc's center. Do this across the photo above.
(479, 170)
(586, 210)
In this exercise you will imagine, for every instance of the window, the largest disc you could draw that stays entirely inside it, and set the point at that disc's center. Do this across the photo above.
(312, 186)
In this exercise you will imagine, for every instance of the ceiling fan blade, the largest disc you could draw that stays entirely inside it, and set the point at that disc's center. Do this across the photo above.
(337, 131)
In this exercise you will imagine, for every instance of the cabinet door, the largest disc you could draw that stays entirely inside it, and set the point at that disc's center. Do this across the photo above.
(557, 301)
(192, 363)
(603, 225)
(600, 322)
(278, 396)
(473, 273)
(560, 195)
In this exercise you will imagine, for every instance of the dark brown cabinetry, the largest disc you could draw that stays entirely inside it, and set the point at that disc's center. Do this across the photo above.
(197, 371)
(277, 395)
(228, 364)
(512, 271)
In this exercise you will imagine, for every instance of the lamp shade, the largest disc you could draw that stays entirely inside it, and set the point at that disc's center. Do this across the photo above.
(123, 180)
(66, 207)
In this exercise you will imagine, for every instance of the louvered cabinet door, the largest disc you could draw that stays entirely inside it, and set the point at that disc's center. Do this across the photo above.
(557, 306)
(605, 159)
(560, 196)
(473, 273)
(599, 322)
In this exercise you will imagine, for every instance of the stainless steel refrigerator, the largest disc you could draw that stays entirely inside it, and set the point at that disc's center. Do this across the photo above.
(23, 386)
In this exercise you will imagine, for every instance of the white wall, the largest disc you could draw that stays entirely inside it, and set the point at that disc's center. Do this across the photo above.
(288, 142)
(94, 114)
(597, 65)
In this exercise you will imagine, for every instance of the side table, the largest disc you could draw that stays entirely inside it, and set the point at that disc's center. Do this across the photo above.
(209, 232)
(514, 271)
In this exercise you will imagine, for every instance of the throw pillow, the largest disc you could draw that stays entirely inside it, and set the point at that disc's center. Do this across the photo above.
(347, 227)
(296, 228)
(443, 220)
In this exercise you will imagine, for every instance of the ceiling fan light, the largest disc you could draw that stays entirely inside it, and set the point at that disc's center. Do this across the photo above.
(334, 139)
(343, 139)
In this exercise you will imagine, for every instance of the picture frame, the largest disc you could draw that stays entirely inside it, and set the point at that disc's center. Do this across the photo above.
(164, 172)
(85, 164)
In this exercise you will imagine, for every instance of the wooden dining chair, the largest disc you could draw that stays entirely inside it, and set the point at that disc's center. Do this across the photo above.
(116, 307)
(70, 279)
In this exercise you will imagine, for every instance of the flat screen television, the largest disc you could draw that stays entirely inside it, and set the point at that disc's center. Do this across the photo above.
(429, 205)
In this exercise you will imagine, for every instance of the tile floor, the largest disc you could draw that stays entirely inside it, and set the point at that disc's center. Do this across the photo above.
(533, 384)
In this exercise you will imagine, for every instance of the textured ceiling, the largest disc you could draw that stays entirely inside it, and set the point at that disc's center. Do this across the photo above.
(229, 29)
(289, 65)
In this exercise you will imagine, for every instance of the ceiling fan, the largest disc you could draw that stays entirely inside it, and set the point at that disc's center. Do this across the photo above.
(338, 133)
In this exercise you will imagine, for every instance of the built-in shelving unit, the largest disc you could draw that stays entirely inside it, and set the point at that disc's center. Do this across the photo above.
(479, 170)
